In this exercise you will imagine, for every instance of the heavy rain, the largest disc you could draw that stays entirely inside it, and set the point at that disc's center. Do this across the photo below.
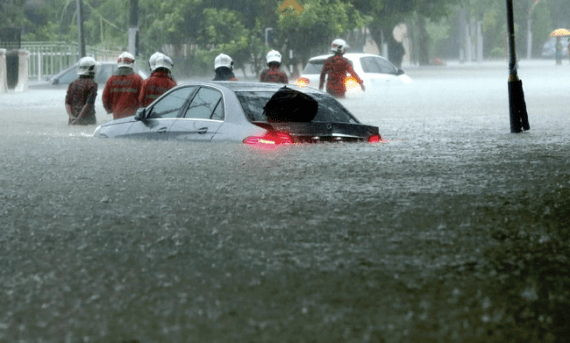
(452, 229)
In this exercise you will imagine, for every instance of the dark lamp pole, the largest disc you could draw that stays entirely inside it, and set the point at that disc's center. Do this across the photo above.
(80, 29)
(517, 105)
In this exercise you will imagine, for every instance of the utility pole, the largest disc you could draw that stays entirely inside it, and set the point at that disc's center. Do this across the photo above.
(529, 36)
(517, 105)
(268, 36)
(133, 27)
(80, 29)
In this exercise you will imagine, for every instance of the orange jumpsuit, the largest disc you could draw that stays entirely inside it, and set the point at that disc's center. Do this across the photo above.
(153, 87)
(273, 74)
(121, 94)
(337, 67)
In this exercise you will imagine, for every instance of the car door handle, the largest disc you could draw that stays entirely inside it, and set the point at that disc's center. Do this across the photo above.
(161, 130)
(202, 130)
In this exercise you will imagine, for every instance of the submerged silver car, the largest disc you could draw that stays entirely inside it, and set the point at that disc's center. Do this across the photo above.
(238, 112)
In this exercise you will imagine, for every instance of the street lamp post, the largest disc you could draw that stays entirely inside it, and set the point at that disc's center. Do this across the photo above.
(517, 105)
(80, 29)
(268, 36)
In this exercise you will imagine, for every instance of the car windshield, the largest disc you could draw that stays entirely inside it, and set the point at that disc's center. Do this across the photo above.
(330, 110)
(314, 67)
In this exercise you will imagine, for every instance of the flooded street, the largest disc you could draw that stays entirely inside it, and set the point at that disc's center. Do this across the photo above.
(455, 230)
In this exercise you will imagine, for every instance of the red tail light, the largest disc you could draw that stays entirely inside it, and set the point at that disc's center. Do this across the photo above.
(375, 139)
(269, 139)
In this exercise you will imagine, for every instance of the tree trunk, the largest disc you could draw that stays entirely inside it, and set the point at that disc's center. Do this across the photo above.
(395, 53)
(423, 42)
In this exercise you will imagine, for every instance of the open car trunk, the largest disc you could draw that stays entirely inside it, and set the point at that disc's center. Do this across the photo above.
(305, 118)
(319, 132)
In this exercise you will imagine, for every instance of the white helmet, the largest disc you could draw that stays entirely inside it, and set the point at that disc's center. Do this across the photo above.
(126, 60)
(163, 61)
(273, 56)
(223, 60)
(152, 60)
(86, 66)
(339, 45)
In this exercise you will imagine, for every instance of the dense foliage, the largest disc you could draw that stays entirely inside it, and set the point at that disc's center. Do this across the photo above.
(197, 30)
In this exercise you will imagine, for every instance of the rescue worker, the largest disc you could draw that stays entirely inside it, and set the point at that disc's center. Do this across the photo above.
(273, 74)
(159, 81)
(122, 90)
(81, 94)
(337, 67)
(224, 66)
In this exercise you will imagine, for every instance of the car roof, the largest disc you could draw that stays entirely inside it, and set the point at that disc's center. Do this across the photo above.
(143, 74)
(349, 55)
(74, 65)
(244, 86)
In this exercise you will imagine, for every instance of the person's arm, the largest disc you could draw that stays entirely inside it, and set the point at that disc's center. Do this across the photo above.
(68, 97)
(69, 114)
(86, 109)
(324, 72)
(142, 94)
(107, 100)
(355, 75)
(89, 104)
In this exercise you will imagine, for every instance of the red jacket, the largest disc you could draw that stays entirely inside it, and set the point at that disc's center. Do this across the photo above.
(121, 94)
(153, 87)
(273, 74)
(337, 67)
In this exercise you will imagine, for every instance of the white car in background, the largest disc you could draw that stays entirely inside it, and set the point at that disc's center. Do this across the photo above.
(374, 70)
(104, 70)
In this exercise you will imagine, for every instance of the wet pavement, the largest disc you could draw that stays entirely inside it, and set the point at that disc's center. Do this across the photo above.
(453, 230)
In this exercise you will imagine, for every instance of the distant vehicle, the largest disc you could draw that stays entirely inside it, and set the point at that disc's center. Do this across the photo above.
(68, 75)
(234, 111)
(374, 70)
(549, 48)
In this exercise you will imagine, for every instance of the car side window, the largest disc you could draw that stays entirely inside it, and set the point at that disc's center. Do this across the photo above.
(170, 105)
(219, 111)
(369, 65)
(204, 104)
(314, 67)
(386, 67)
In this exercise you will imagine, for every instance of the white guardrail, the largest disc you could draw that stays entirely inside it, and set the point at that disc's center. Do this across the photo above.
(48, 58)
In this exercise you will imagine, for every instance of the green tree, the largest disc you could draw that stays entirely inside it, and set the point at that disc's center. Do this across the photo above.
(313, 30)
(203, 29)
(12, 13)
(386, 14)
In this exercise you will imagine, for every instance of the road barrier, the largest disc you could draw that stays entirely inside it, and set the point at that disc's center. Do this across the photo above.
(3, 72)
(13, 70)
(48, 58)
(39, 60)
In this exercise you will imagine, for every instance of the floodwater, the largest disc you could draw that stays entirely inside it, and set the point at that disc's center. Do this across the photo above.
(453, 230)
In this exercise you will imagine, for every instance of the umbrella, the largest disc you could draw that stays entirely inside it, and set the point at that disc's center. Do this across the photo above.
(560, 33)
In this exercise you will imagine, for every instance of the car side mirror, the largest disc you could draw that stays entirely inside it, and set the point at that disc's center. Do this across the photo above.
(400, 72)
(141, 114)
